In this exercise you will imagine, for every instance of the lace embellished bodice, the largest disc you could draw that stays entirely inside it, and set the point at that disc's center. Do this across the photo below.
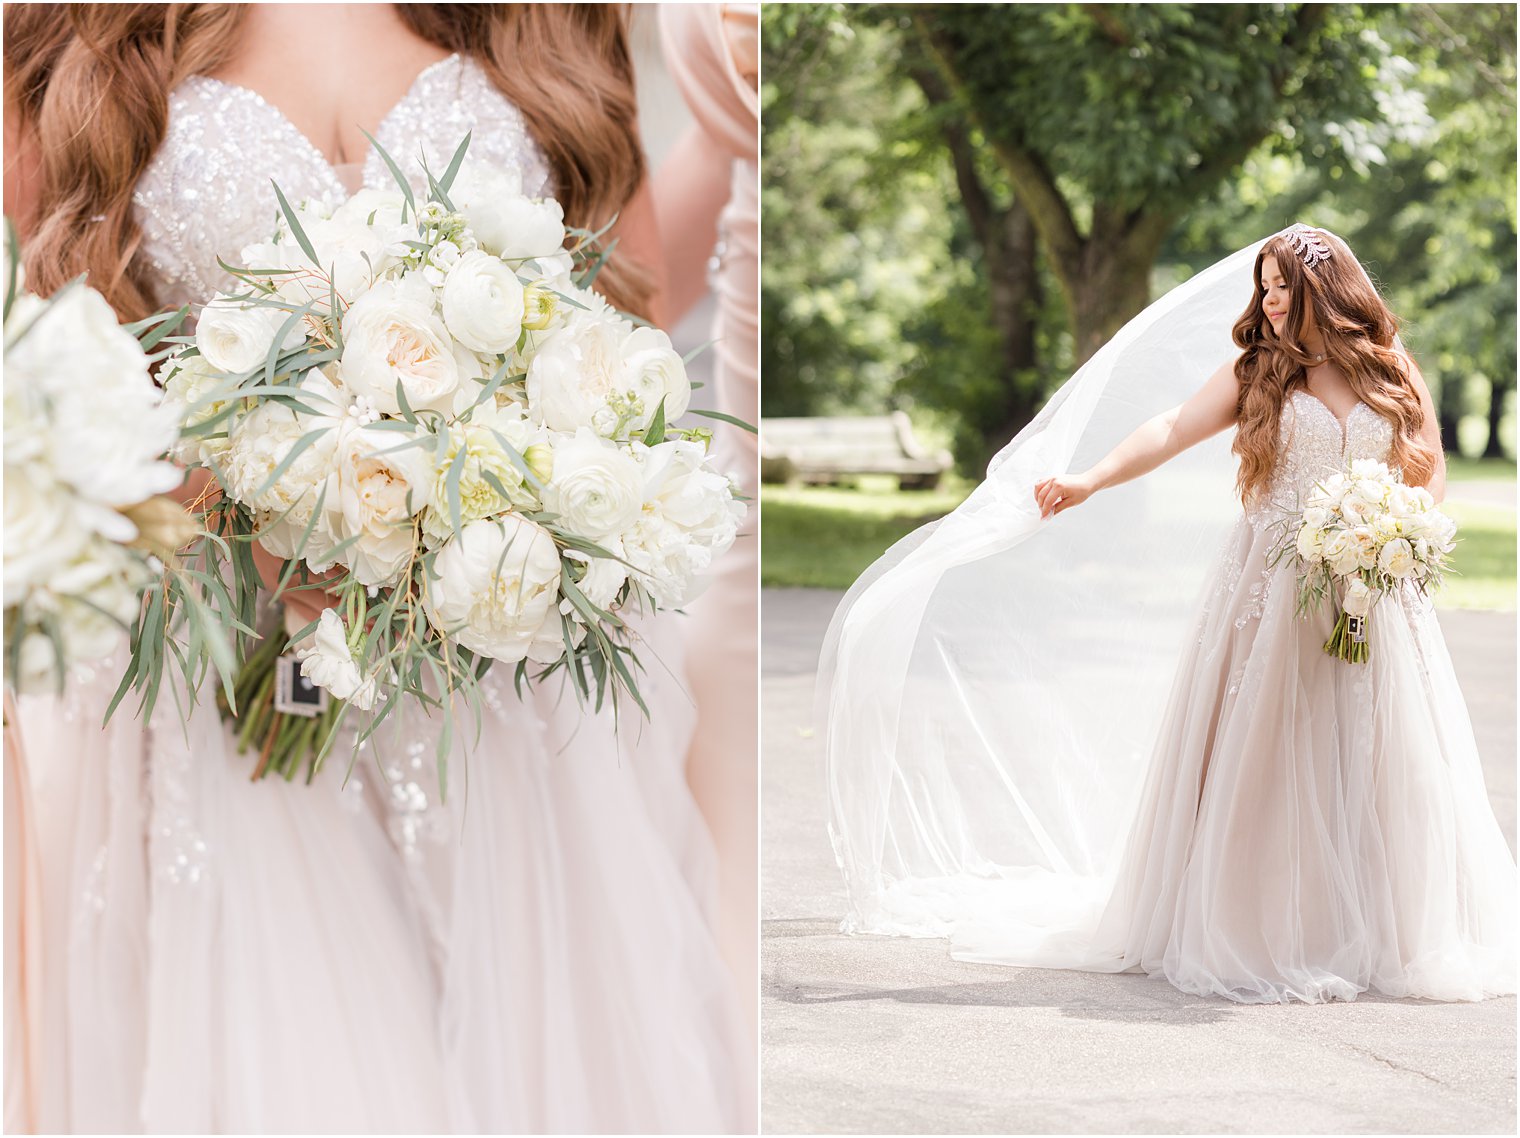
(1314, 442)
(207, 192)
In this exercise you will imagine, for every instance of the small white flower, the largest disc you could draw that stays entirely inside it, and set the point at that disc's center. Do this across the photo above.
(1358, 599)
(329, 664)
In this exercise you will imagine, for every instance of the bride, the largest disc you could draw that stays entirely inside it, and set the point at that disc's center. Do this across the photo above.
(534, 952)
(1034, 749)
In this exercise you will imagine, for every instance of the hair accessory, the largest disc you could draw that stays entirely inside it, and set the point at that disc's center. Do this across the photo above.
(1307, 243)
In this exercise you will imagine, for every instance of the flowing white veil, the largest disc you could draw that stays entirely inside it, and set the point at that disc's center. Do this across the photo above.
(990, 688)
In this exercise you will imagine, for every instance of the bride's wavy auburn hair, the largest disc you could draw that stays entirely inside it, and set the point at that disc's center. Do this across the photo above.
(1358, 331)
(91, 85)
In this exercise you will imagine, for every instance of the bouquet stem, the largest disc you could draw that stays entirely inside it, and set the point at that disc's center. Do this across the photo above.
(285, 742)
(1348, 640)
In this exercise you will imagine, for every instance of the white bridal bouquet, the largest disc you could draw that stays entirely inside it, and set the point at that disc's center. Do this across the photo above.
(419, 405)
(1364, 533)
(87, 525)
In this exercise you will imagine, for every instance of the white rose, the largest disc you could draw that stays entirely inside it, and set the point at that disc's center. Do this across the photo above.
(573, 378)
(1370, 494)
(329, 664)
(392, 335)
(1353, 509)
(1358, 599)
(483, 303)
(378, 495)
(653, 371)
(495, 586)
(1397, 558)
(236, 337)
(596, 489)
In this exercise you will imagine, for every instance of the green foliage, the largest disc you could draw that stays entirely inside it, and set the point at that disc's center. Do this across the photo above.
(1392, 124)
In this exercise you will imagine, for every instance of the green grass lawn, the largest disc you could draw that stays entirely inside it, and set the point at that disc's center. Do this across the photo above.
(825, 537)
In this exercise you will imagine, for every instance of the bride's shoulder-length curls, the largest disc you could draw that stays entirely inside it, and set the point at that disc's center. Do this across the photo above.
(90, 85)
(1360, 334)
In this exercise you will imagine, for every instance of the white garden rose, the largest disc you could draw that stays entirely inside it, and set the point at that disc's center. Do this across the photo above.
(1366, 543)
(1358, 599)
(483, 303)
(1397, 558)
(495, 586)
(652, 371)
(394, 336)
(328, 663)
(573, 379)
(236, 337)
(597, 487)
(259, 443)
(380, 489)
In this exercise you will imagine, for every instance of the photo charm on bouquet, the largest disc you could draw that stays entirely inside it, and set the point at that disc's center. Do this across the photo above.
(418, 405)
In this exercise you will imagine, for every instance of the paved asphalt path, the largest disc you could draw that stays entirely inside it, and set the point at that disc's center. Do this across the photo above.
(876, 1034)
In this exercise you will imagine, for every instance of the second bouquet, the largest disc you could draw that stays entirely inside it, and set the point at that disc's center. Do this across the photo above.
(420, 408)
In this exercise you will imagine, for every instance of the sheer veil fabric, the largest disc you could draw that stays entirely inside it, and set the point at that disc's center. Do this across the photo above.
(993, 691)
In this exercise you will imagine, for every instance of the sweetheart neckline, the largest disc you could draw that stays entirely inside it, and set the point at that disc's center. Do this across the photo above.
(1343, 426)
(329, 168)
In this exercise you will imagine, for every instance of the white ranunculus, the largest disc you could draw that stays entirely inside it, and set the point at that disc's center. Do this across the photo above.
(1397, 558)
(329, 664)
(597, 487)
(483, 303)
(236, 337)
(573, 378)
(495, 586)
(653, 371)
(393, 335)
(1358, 599)
(379, 494)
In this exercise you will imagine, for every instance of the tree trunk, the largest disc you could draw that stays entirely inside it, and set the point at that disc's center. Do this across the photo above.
(1014, 283)
(1449, 412)
(1497, 392)
(1110, 283)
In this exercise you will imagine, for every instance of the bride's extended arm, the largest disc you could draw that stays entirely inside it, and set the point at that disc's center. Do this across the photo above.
(1210, 410)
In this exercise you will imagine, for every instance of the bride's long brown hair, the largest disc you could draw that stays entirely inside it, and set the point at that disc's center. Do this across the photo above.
(91, 85)
(1358, 330)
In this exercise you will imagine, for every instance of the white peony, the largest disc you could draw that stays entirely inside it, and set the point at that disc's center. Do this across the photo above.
(574, 377)
(1318, 517)
(495, 587)
(689, 518)
(483, 303)
(42, 532)
(652, 371)
(329, 664)
(191, 387)
(393, 336)
(597, 487)
(1311, 543)
(503, 219)
(1397, 558)
(236, 337)
(602, 581)
(1341, 554)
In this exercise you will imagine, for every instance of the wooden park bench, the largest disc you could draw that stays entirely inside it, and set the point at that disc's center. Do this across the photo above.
(825, 450)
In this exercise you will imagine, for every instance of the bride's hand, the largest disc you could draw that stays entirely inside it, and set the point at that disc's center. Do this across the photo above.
(1056, 494)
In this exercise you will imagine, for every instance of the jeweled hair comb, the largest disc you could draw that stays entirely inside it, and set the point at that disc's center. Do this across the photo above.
(1307, 243)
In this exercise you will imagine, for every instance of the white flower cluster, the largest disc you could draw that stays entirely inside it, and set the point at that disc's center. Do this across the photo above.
(1371, 532)
(85, 431)
(476, 419)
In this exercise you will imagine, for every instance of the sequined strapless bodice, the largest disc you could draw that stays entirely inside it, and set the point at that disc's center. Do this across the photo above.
(207, 192)
(1313, 442)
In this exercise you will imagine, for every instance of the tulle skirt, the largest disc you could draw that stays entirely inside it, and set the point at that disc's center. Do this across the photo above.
(533, 953)
(1309, 829)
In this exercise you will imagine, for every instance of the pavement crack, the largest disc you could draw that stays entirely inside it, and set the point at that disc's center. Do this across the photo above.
(1392, 1066)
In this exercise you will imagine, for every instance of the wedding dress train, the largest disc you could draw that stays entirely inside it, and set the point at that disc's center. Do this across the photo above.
(533, 953)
